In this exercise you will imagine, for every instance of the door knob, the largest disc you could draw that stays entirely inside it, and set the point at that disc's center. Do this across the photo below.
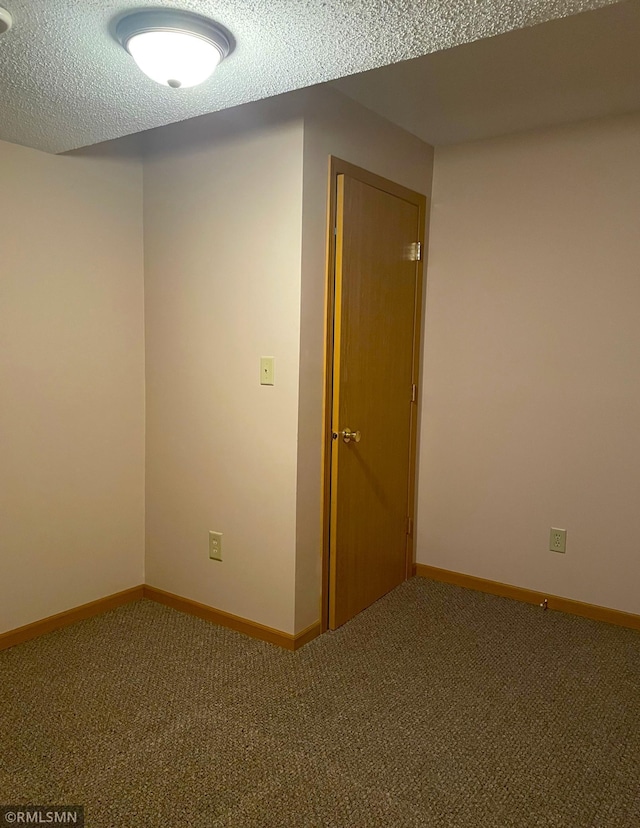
(348, 436)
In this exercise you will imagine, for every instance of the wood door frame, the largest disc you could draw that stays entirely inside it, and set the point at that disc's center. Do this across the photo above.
(339, 167)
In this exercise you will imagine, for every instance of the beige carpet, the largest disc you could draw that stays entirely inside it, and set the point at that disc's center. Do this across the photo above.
(436, 707)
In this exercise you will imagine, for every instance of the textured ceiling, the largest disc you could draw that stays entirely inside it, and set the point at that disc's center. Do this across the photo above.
(65, 83)
(579, 67)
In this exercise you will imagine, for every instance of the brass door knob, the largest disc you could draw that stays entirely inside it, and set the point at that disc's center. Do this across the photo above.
(348, 436)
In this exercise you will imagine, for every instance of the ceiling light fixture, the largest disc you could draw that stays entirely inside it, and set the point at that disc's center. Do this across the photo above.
(174, 48)
(6, 21)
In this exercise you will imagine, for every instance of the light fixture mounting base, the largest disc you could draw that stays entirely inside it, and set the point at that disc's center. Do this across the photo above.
(170, 20)
(6, 21)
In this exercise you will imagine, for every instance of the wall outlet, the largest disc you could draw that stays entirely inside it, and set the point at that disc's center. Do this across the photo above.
(215, 546)
(558, 540)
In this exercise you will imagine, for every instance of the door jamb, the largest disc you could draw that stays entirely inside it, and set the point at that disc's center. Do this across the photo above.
(339, 167)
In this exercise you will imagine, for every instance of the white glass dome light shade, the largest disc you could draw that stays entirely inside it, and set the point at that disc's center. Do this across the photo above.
(176, 49)
(174, 59)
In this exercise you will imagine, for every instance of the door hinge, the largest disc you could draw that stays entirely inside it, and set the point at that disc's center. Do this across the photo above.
(414, 392)
(418, 251)
(409, 526)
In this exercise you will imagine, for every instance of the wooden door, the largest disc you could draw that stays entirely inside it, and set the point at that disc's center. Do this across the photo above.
(374, 374)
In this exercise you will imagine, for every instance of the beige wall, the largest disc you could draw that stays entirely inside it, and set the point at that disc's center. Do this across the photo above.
(71, 382)
(334, 125)
(531, 397)
(532, 392)
(530, 403)
(223, 213)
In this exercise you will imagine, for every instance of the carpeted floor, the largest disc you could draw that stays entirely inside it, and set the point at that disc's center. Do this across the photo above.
(436, 707)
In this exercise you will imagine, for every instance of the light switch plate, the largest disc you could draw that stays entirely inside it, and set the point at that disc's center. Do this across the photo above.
(267, 371)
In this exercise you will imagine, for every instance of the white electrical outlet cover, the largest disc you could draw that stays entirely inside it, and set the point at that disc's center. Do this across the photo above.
(558, 540)
(215, 546)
